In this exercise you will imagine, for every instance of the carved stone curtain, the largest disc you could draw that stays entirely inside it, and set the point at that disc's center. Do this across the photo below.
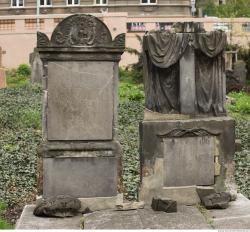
(209, 72)
(161, 54)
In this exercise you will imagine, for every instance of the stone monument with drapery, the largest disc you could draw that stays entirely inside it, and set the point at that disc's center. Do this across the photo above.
(187, 141)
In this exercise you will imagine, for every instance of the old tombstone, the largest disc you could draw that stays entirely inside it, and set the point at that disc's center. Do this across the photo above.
(2, 70)
(36, 68)
(81, 153)
(192, 144)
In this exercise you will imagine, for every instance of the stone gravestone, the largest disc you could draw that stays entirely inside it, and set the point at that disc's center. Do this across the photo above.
(192, 143)
(81, 153)
(36, 67)
(2, 70)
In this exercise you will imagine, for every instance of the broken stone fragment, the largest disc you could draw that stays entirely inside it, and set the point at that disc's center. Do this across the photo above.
(165, 205)
(203, 191)
(59, 206)
(216, 200)
(130, 206)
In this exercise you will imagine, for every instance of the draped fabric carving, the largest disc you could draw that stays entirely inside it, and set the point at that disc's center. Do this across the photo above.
(209, 72)
(162, 52)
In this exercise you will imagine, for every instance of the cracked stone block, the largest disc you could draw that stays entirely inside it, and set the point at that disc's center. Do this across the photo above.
(166, 205)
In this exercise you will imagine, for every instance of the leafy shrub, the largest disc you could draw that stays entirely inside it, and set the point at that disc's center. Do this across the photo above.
(242, 159)
(242, 104)
(132, 76)
(130, 114)
(130, 92)
(24, 70)
(18, 77)
(20, 123)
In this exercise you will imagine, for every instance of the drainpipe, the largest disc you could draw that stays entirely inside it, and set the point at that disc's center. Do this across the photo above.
(37, 14)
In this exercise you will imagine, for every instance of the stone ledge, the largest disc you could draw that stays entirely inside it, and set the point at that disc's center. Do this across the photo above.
(29, 221)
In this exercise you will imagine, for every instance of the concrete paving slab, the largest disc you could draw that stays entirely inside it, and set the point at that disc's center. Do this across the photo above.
(236, 216)
(187, 217)
(29, 221)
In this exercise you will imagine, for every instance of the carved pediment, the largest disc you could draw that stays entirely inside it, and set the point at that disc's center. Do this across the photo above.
(178, 133)
(81, 30)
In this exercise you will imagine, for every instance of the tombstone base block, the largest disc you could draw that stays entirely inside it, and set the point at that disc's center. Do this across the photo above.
(177, 156)
(81, 173)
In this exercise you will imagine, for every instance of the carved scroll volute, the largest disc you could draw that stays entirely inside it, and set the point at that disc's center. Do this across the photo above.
(42, 40)
(179, 133)
(119, 40)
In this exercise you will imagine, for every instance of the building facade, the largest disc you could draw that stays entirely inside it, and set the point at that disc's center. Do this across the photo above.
(133, 7)
(19, 23)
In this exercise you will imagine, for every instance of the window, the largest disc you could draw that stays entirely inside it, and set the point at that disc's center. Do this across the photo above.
(101, 2)
(163, 26)
(73, 2)
(246, 27)
(7, 25)
(17, 3)
(227, 27)
(148, 1)
(138, 27)
(45, 2)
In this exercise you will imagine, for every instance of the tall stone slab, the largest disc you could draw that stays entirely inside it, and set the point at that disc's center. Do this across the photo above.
(81, 153)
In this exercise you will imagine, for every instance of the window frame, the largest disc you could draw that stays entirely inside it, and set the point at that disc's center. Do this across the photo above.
(45, 5)
(73, 3)
(148, 2)
(101, 3)
(17, 6)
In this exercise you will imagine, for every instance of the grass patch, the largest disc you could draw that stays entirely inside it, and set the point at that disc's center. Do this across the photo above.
(130, 92)
(18, 77)
(241, 105)
(4, 225)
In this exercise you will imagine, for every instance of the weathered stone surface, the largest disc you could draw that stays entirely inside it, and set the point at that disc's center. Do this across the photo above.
(130, 206)
(236, 216)
(85, 108)
(217, 200)
(101, 203)
(80, 176)
(28, 221)
(189, 161)
(204, 191)
(152, 149)
(165, 205)
(187, 217)
(187, 82)
(37, 69)
(59, 206)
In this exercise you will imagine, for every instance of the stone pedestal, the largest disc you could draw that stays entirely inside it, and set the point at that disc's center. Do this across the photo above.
(2, 78)
(81, 154)
(180, 155)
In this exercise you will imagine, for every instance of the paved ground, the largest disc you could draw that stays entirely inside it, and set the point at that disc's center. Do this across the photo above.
(237, 216)
(187, 217)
